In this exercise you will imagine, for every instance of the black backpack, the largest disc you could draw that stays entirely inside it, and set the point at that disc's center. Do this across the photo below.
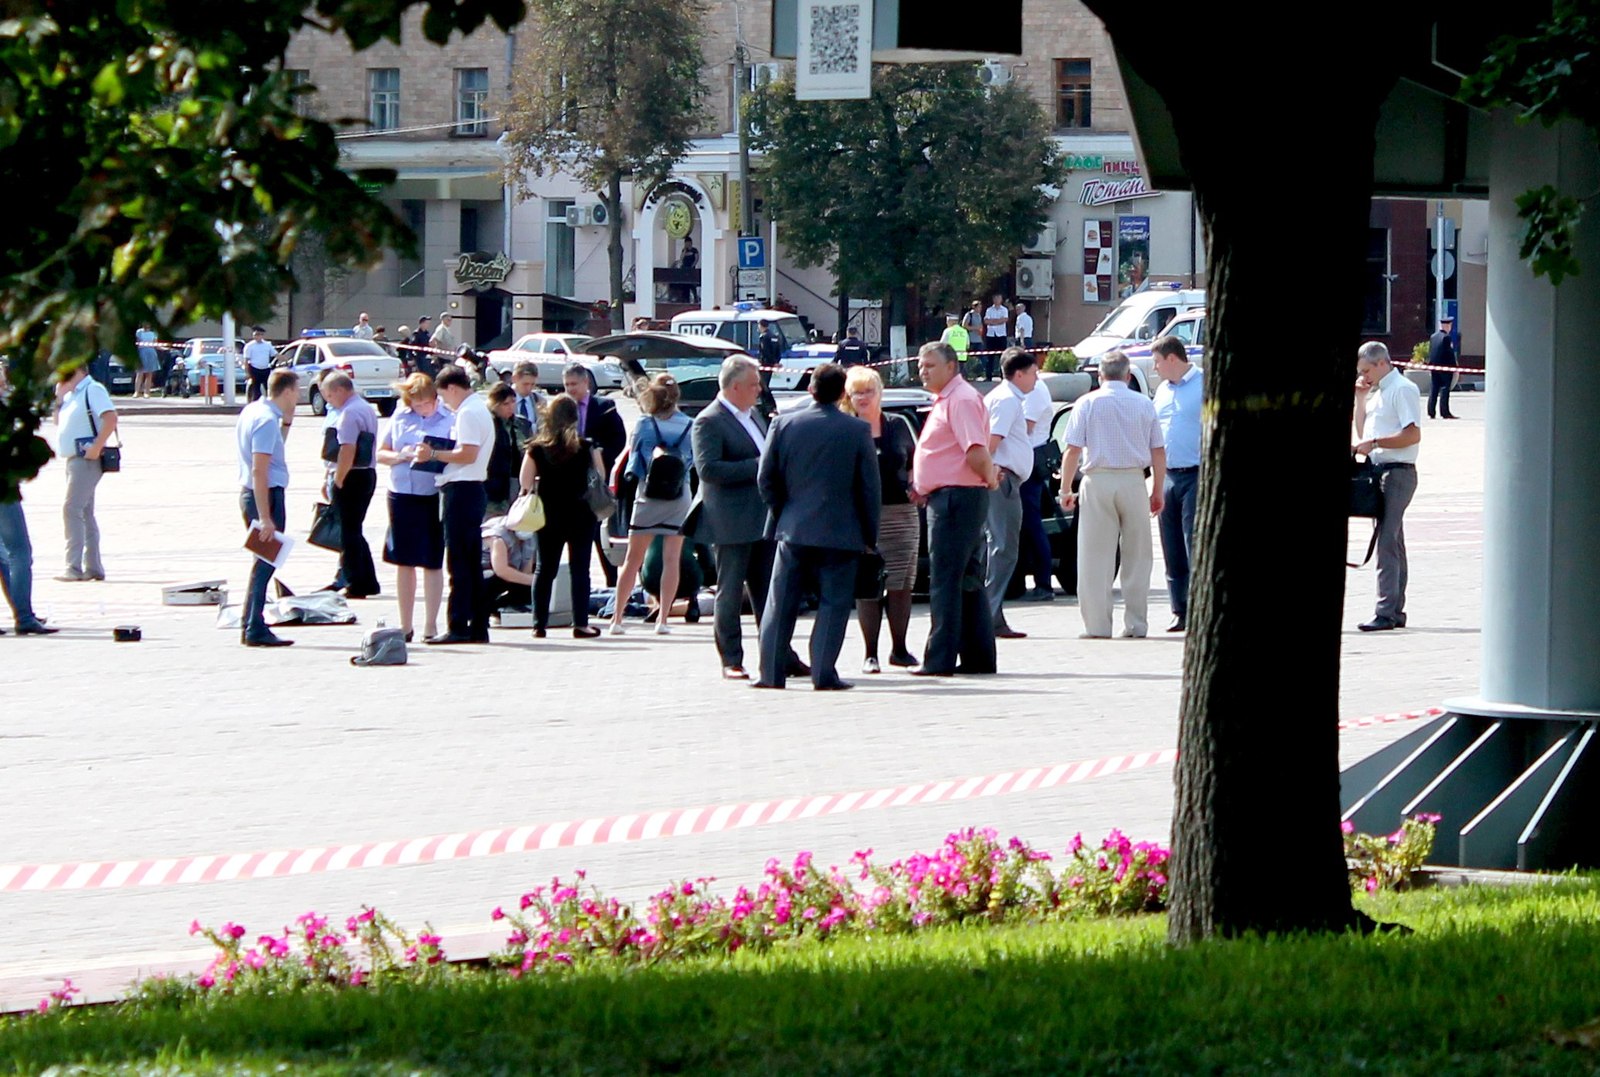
(666, 473)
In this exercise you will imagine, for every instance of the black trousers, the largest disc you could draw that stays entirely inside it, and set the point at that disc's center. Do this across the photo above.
(833, 574)
(963, 625)
(466, 611)
(1439, 393)
(258, 383)
(351, 501)
(576, 533)
(740, 565)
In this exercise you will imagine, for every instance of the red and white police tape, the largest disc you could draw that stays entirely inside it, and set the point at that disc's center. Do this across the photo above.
(608, 830)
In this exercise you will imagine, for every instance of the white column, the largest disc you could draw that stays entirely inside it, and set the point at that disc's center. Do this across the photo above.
(1541, 590)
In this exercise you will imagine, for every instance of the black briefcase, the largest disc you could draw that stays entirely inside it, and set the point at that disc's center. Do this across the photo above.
(1366, 499)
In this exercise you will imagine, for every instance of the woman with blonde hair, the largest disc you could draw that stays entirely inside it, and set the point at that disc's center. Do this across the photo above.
(660, 460)
(416, 535)
(899, 525)
(556, 466)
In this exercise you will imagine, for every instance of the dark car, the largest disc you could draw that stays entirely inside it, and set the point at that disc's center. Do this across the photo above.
(695, 362)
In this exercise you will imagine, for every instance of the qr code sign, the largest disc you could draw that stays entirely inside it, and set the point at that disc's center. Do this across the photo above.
(835, 39)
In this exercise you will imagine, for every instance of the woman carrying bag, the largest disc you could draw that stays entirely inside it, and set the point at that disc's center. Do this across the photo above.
(557, 466)
(415, 540)
(660, 459)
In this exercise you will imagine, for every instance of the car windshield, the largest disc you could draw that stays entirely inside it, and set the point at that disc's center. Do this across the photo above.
(1122, 322)
(1186, 331)
(346, 348)
(792, 329)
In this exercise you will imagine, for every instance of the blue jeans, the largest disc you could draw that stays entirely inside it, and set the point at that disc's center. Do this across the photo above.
(1035, 541)
(1177, 533)
(254, 623)
(16, 563)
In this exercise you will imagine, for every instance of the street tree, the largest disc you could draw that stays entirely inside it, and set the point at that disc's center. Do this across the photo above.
(606, 90)
(933, 181)
(173, 177)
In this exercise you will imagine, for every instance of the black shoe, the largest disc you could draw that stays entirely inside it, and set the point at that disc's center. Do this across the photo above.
(903, 658)
(267, 641)
(448, 637)
(1452, 416)
(833, 686)
(924, 671)
(764, 684)
(36, 629)
(1380, 624)
(1179, 623)
(797, 668)
(1007, 632)
(409, 636)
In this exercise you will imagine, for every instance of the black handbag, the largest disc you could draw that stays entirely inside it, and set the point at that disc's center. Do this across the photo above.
(1366, 500)
(325, 529)
(872, 578)
(110, 455)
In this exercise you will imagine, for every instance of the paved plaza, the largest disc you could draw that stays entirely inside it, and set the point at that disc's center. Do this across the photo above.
(187, 743)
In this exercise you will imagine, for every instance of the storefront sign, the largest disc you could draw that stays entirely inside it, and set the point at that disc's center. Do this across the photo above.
(1097, 247)
(475, 271)
(1084, 162)
(666, 187)
(1122, 168)
(1133, 253)
(1104, 192)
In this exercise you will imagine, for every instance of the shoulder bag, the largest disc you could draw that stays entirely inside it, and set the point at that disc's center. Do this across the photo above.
(325, 529)
(526, 514)
(110, 455)
(595, 494)
(1366, 499)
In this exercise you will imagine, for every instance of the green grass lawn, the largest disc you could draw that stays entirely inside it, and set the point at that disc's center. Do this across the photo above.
(1473, 991)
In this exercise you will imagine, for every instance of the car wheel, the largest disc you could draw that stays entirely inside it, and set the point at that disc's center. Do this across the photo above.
(386, 408)
(319, 406)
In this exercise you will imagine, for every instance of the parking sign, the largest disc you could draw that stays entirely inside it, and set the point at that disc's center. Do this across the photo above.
(752, 252)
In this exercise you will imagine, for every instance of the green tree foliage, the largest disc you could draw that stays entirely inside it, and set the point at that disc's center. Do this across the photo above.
(607, 89)
(1550, 75)
(168, 175)
(933, 181)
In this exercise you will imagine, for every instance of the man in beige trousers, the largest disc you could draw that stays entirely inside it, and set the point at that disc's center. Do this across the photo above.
(1115, 432)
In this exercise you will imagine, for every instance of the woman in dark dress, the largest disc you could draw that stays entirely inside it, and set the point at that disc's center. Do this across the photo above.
(556, 467)
(899, 526)
(498, 484)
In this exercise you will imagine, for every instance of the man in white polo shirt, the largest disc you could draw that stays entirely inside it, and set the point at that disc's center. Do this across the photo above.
(85, 422)
(1388, 430)
(258, 356)
(1012, 450)
(464, 497)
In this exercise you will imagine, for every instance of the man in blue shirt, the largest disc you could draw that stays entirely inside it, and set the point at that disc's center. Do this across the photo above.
(350, 439)
(263, 475)
(1179, 399)
(85, 421)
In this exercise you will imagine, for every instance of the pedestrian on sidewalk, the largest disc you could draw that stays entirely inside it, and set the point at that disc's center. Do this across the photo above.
(85, 420)
(263, 476)
(1024, 327)
(16, 554)
(424, 361)
(1034, 544)
(1179, 401)
(349, 445)
(953, 474)
(1115, 432)
(1012, 451)
(819, 478)
(556, 466)
(1388, 417)
(957, 337)
(1441, 352)
(444, 338)
(258, 356)
(899, 525)
(995, 321)
(660, 461)
(462, 490)
(415, 540)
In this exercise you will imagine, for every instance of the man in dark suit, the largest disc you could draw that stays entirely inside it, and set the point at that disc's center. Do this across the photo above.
(729, 514)
(1442, 352)
(597, 419)
(819, 478)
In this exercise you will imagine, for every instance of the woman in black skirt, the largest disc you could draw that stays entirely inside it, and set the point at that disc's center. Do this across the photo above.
(899, 525)
(556, 467)
(416, 536)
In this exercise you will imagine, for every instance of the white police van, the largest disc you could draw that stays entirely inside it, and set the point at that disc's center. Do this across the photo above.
(741, 324)
(1139, 318)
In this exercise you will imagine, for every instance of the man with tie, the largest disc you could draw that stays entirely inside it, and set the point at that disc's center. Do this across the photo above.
(530, 402)
(600, 422)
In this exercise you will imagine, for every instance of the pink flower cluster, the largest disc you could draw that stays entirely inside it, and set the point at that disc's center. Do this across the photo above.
(1388, 861)
(61, 996)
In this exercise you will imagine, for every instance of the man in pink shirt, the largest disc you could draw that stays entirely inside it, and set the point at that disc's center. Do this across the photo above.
(953, 474)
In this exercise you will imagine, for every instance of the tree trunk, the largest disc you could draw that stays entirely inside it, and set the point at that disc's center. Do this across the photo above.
(1256, 843)
(614, 246)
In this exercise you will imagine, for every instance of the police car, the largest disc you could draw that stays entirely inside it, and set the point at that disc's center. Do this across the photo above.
(1189, 327)
(741, 325)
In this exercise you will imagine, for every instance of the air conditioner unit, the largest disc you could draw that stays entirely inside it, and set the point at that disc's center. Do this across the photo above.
(1035, 278)
(994, 73)
(591, 215)
(1044, 242)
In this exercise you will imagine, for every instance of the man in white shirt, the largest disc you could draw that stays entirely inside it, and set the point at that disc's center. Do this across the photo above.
(258, 356)
(363, 327)
(1024, 331)
(1012, 450)
(1388, 419)
(1114, 431)
(995, 320)
(1034, 543)
(464, 497)
(85, 422)
(444, 338)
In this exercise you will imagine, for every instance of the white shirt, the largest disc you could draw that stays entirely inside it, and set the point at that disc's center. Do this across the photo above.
(258, 354)
(1024, 325)
(1391, 407)
(747, 421)
(995, 330)
(362, 332)
(1038, 408)
(72, 421)
(1116, 428)
(474, 425)
(1006, 418)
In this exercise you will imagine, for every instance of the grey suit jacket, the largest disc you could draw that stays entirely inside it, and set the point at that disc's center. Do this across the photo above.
(819, 476)
(728, 506)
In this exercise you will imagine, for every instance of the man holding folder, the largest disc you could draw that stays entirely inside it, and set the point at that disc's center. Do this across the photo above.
(263, 475)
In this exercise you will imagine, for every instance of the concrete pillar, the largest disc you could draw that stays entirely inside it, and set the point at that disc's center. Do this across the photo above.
(1541, 588)
(442, 242)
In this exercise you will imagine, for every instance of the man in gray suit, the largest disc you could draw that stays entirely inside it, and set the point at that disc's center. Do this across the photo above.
(730, 516)
(819, 477)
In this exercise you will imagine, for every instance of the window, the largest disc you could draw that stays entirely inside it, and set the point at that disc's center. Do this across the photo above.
(1072, 93)
(299, 89)
(560, 249)
(383, 98)
(1375, 312)
(472, 100)
(469, 229)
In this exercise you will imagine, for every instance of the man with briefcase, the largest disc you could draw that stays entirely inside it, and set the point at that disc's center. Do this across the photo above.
(1388, 418)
